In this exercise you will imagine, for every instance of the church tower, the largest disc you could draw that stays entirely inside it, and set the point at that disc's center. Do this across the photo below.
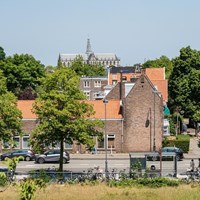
(89, 49)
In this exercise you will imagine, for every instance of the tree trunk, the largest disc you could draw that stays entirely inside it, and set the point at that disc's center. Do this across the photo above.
(61, 154)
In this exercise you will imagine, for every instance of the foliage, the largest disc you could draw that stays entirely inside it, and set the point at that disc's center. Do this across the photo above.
(182, 142)
(28, 187)
(2, 54)
(10, 115)
(83, 69)
(136, 169)
(3, 179)
(163, 61)
(148, 182)
(41, 174)
(63, 115)
(22, 71)
(184, 87)
(11, 163)
(3, 88)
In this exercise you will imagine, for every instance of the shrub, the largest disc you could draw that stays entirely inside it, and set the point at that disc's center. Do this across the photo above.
(3, 179)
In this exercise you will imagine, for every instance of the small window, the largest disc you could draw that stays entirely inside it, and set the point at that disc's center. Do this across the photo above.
(16, 142)
(111, 141)
(114, 82)
(87, 94)
(100, 143)
(97, 83)
(86, 84)
(25, 141)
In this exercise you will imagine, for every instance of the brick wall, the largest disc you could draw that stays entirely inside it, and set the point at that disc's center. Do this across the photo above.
(136, 110)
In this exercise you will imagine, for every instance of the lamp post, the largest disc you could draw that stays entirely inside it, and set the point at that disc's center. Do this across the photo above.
(105, 101)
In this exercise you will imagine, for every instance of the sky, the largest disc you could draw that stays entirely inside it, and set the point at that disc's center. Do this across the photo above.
(135, 30)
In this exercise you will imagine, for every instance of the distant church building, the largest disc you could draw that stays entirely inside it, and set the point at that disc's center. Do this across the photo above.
(89, 57)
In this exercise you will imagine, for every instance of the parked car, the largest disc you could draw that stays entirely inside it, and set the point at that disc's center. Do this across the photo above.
(27, 154)
(178, 151)
(52, 156)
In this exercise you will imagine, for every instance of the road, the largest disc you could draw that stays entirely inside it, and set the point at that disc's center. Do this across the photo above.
(84, 164)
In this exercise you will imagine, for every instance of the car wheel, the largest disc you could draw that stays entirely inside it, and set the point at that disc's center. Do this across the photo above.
(64, 160)
(178, 158)
(40, 160)
(27, 158)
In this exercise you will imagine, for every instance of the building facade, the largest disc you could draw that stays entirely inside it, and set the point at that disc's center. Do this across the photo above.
(134, 119)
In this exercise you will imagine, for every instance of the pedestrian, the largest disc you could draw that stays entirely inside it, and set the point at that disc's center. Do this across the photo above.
(192, 165)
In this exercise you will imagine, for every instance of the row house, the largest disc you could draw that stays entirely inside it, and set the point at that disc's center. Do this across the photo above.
(134, 116)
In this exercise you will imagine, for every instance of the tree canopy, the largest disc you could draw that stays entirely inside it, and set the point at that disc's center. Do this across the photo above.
(22, 72)
(62, 113)
(10, 115)
(184, 87)
(83, 69)
(2, 54)
(163, 61)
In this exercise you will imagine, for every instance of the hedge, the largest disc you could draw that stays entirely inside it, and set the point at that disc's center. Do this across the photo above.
(183, 144)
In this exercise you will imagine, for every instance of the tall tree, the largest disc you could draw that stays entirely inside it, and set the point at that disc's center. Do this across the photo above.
(163, 61)
(184, 87)
(22, 71)
(10, 115)
(2, 54)
(63, 117)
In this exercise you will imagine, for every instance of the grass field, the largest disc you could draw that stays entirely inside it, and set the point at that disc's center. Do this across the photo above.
(103, 192)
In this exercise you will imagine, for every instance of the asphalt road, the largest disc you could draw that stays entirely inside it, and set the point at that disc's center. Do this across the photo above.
(84, 164)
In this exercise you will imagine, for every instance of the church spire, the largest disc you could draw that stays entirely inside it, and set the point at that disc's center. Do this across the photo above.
(88, 50)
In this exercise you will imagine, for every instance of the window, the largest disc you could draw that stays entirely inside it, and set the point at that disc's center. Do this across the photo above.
(68, 146)
(114, 82)
(111, 141)
(86, 84)
(100, 143)
(25, 140)
(16, 142)
(87, 94)
(97, 83)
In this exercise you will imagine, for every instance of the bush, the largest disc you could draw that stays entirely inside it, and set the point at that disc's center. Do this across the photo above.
(182, 142)
(148, 182)
(3, 179)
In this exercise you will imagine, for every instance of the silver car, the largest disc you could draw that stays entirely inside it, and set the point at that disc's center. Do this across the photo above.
(52, 156)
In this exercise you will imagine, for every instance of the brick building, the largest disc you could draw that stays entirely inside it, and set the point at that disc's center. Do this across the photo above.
(134, 119)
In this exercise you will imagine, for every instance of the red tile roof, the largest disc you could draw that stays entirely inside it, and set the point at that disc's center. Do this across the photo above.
(112, 109)
(155, 73)
(26, 106)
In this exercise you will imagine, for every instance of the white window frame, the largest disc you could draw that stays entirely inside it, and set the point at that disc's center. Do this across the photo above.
(87, 94)
(26, 136)
(97, 83)
(86, 84)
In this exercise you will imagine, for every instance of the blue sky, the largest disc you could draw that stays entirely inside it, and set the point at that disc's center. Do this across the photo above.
(136, 30)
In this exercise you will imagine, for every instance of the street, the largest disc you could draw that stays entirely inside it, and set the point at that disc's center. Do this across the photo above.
(76, 165)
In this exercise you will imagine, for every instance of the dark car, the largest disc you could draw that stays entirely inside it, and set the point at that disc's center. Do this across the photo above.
(52, 156)
(178, 151)
(27, 154)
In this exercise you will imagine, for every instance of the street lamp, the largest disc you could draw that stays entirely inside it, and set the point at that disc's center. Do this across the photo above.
(105, 101)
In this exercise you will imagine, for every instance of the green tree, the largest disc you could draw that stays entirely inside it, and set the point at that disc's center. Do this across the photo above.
(184, 87)
(81, 68)
(22, 72)
(2, 54)
(62, 116)
(10, 115)
(163, 61)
